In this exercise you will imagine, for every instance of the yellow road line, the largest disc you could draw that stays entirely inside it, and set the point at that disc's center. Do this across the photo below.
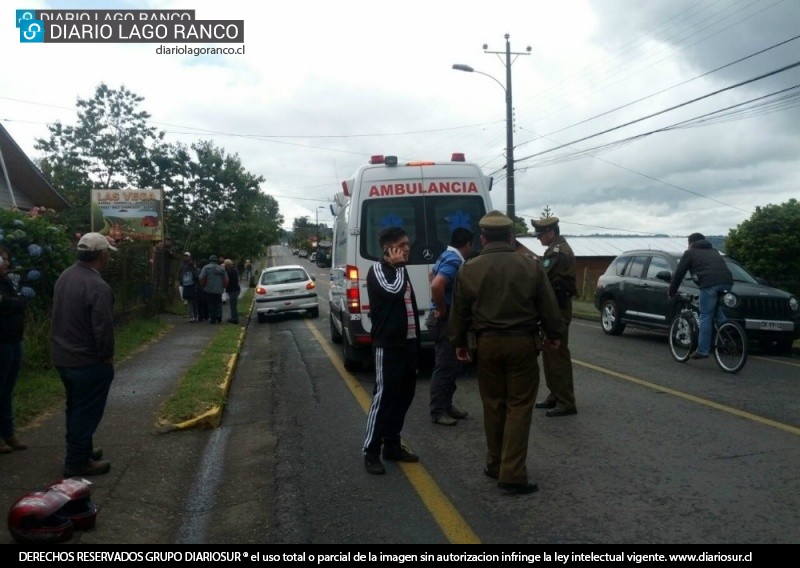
(453, 525)
(686, 396)
(772, 360)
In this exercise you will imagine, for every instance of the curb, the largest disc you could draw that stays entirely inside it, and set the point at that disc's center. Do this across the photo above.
(213, 417)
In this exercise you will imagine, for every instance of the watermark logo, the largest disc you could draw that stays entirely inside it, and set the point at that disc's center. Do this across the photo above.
(124, 26)
(31, 30)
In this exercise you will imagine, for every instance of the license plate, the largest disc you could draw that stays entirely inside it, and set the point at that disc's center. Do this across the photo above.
(286, 292)
(773, 326)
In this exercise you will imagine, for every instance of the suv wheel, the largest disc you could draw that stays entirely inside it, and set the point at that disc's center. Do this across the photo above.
(609, 318)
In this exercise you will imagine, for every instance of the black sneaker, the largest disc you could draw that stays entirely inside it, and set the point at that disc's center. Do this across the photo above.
(518, 488)
(399, 453)
(373, 464)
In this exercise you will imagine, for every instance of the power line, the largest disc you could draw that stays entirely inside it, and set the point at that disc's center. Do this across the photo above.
(683, 104)
(774, 46)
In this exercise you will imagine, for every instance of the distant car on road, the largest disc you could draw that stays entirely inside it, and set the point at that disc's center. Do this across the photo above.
(283, 289)
(633, 291)
(303, 254)
(313, 257)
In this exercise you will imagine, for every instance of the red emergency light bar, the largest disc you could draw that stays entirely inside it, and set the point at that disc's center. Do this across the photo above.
(392, 160)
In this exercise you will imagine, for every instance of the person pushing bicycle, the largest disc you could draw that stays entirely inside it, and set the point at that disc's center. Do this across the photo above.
(712, 275)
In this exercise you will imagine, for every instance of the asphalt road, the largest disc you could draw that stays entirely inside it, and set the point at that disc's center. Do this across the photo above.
(660, 452)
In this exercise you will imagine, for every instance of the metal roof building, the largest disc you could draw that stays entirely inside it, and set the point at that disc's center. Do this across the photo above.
(594, 254)
(609, 246)
(22, 185)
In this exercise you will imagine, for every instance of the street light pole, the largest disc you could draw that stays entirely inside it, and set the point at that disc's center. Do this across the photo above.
(510, 205)
(317, 212)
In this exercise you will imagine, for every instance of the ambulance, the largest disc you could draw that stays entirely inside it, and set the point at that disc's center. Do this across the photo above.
(429, 200)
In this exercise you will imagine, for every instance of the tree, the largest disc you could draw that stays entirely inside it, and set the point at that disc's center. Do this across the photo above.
(768, 244)
(215, 206)
(211, 202)
(301, 233)
(520, 226)
(109, 147)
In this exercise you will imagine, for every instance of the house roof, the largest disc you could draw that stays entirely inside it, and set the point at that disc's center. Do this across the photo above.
(22, 184)
(609, 246)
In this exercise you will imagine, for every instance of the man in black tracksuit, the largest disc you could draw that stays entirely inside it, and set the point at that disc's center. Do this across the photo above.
(395, 342)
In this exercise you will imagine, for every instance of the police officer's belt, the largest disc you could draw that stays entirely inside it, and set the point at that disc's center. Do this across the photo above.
(504, 332)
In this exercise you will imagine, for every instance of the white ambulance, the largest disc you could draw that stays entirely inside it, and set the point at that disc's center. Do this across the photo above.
(429, 200)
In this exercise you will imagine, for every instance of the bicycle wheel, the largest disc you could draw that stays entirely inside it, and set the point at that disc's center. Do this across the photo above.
(730, 347)
(682, 337)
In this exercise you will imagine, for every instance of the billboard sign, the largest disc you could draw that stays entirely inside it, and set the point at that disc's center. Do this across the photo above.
(137, 214)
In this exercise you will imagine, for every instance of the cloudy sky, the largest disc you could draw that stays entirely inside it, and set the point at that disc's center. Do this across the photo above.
(630, 117)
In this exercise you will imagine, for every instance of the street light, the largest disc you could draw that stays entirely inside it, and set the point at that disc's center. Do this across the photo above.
(317, 212)
(510, 208)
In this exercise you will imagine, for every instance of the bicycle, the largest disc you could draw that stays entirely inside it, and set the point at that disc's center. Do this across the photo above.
(728, 343)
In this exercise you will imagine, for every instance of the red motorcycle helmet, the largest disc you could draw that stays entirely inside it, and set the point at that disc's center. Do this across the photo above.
(34, 519)
(79, 508)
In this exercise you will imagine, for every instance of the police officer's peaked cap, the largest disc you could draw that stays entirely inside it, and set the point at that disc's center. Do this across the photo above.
(543, 225)
(495, 220)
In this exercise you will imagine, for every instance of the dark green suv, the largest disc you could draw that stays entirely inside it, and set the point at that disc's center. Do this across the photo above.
(633, 291)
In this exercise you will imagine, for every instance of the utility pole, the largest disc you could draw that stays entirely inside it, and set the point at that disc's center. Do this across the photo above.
(510, 204)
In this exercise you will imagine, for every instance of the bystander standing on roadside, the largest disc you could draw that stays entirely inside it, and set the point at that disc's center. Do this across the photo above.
(248, 273)
(558, 262)
(213, 280)
(446, 366)
(233, 289)
(82, 349)
(187, 257)
(202, 299)
(12, 326)
(395, 342)
(503, 298)
(190, 283)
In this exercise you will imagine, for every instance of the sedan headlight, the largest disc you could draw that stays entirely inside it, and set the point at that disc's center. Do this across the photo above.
(794, 305)
(730, 299)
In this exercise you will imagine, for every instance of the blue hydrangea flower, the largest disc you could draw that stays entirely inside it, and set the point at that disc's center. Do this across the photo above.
(33, 275)
(18, 223)
(28, 292)
(35, 251)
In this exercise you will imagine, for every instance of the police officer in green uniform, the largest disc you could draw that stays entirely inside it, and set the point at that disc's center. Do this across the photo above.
(503, 297)
(558, 262)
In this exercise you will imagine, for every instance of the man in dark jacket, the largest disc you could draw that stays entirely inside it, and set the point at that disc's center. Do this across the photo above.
(712, 275)
(395, 342)
(12, 326)
(82, 349)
